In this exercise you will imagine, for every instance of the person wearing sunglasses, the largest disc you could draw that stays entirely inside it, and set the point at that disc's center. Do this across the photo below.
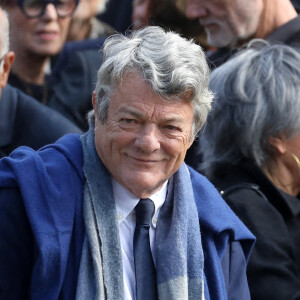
(38, 33)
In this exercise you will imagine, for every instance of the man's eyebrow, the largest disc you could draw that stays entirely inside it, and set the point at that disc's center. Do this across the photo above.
(167, 119)
(173, 119)
(132, 111)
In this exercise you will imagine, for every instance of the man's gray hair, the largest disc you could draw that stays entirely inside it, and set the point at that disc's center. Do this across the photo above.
(172, 65)
(257, 96)
(4, 35)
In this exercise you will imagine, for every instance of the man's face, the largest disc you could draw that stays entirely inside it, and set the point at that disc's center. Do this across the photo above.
(144, 139)
(226, 22)
(41, 36)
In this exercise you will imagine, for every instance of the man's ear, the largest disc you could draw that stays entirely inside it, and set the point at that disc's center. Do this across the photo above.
(278, 143)
(7, 62)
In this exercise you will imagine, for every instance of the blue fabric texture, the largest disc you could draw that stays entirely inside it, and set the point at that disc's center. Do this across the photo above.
(51, 184)
(52, 208)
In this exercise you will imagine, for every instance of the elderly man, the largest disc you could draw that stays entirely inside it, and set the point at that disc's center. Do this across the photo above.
(231, 23)
(115, 213)
(24, 121)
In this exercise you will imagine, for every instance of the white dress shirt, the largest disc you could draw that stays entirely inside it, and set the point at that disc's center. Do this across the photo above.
(125, 204)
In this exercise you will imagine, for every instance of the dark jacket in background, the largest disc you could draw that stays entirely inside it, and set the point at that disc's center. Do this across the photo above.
(74, 79)
(69, 88)
(274, 218)
(24, 121)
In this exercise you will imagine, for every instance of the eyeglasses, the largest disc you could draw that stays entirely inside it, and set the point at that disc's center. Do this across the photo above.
(36, 8)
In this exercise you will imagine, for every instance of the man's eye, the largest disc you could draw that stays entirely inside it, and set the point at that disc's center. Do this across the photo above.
(129, 121)
(172, 128)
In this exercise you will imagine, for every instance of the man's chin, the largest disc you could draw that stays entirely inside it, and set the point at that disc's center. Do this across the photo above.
(143, 186)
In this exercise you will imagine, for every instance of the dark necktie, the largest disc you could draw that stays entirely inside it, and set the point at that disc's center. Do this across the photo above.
(145, 273)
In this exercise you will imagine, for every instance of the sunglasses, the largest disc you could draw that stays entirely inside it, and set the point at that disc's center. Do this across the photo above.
(36, 8)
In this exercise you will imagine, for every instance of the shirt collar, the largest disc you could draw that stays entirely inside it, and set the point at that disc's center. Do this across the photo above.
(126, 201)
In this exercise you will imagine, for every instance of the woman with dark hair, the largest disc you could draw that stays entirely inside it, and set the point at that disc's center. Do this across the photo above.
(251, 150)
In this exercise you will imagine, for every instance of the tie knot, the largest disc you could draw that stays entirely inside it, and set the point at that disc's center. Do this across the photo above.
(144, 211)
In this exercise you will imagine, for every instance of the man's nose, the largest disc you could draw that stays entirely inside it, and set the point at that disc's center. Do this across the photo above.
(147, 139)
(196, 9)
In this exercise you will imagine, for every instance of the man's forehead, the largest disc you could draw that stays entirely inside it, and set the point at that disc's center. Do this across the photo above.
(136, 111)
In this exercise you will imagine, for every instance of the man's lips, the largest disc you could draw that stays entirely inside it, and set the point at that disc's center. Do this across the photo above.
(143, 160)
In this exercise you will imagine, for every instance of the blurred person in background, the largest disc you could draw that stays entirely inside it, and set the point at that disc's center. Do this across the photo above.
(250, 150)
(140, 14)
(38, 32)
(62, 82)
(75, 70)
(24, 121)
(169, 14)
(85, 24)
(230, 24)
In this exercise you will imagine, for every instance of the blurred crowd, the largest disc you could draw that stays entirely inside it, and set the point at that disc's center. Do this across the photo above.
(250, 146)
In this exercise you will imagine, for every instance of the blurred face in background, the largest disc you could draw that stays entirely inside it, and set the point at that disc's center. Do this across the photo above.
(88, 9)
(226, 22)
(43, 35)
(140, 13)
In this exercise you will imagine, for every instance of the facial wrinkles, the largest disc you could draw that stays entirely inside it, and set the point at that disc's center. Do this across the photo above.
(153, 112)
(138, 144)
(152, 121)
(160, 114)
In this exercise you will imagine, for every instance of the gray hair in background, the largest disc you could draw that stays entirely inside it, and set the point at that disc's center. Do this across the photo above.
(4, 36)
(172, 65)
(257, 96)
